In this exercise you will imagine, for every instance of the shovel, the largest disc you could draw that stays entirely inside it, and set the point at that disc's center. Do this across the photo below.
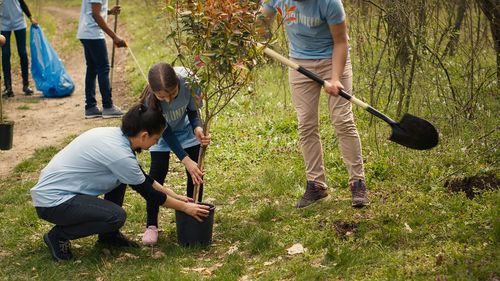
(113, 52)
(411, 131)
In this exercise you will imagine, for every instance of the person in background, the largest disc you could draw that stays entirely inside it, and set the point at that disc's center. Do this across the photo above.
(318, 41)
(169, 92)
(12, 20)
(91, 29)
(102, 161)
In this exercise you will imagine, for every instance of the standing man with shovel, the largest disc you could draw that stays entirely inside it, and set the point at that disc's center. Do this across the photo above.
(91, 31)
(317, 33)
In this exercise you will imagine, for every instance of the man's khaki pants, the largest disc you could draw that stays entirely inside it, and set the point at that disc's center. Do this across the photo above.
(305, 96)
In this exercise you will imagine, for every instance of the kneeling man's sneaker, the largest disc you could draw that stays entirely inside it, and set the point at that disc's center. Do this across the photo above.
(59, 249)
(359, 194)
(116, 239)
(314, 193)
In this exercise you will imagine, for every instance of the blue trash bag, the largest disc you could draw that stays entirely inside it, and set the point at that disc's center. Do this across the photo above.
(47, 69)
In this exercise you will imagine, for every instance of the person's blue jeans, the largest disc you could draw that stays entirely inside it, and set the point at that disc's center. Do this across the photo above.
(21, 51)
(96, 56)
(85, 215)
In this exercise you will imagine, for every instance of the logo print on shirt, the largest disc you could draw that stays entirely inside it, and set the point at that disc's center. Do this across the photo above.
(172, 116)
(305, 20)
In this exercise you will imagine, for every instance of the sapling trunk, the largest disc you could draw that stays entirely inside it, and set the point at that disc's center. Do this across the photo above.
(201, 163)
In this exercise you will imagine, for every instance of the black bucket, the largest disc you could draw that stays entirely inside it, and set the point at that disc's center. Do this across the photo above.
(191, 232)
(6, 135)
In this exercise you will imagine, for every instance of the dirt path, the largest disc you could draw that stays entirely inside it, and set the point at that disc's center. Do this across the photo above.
(41, 122)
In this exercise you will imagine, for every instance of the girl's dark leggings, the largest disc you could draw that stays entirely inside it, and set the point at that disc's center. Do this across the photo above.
(159, 170)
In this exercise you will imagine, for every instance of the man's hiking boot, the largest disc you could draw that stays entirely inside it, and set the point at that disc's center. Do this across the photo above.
(314, 193)
(27, 90)
(359, 195)
(59, 249)
(116, 239)
(93, 112)
(7, 93)
(112, 112)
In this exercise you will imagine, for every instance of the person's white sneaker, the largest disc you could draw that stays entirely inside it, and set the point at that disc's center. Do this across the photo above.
(150, 236)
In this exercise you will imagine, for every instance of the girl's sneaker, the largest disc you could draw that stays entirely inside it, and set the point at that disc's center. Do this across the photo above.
(150, 236)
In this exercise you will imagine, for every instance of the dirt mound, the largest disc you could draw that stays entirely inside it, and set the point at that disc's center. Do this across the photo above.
(474, 185)
(344, 228)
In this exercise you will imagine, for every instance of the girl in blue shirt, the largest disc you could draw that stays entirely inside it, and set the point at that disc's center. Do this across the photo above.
(12, 20)
(169, 92)
(102, 161)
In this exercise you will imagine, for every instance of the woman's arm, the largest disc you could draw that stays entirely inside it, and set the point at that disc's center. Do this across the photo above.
(152, 191)
(27, 12)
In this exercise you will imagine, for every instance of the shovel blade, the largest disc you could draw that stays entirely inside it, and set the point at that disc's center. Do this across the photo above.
(415, 133)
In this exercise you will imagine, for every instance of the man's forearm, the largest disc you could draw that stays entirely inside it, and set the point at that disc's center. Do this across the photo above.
(339, 58)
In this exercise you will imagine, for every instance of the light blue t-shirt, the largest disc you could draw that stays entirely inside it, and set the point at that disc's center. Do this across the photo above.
(12, 17)
(94, 163)
(309, 34)
(176, 115)
(87, 27)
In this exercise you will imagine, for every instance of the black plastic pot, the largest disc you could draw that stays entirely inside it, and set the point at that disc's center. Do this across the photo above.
(191, 232)
(6, 135)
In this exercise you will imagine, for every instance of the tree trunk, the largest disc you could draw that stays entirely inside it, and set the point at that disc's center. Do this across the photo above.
(455, 31)
(491, 8)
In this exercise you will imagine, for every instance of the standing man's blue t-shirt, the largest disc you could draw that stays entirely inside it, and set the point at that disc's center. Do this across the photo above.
(309, 33)
(11, 15)
(175, 113)
(94, 163)
(88, 27)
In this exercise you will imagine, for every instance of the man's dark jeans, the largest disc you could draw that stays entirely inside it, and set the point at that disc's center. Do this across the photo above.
(85, 215)
(21, 51)
(96, 56)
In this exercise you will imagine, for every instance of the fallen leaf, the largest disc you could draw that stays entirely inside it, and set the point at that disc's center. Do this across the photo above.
(158, 255)
(269, 263)
(126, 256)
(198, 269)
(232, 249)
(296, 249)
(408, 228)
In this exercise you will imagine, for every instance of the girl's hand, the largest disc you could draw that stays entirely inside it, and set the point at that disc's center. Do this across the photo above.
(202, 138)
(193, 169)
(184, 198)
(197, 211)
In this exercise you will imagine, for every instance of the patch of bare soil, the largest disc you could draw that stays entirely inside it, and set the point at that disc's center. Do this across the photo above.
(473, 186)
(343, 228)
(40, 121)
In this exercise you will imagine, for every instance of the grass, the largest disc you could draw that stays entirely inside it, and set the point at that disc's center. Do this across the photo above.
(414, 229)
